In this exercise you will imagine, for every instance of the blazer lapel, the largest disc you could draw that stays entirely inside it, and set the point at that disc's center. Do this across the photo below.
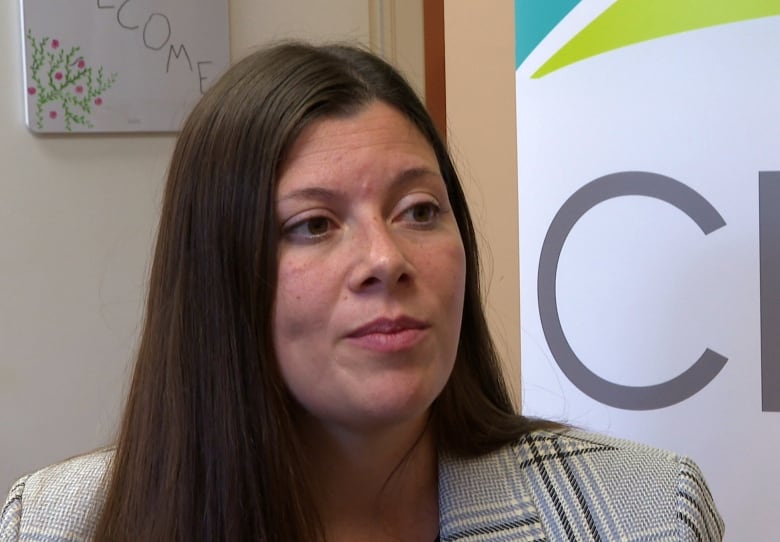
(481, 500)
(562, 474)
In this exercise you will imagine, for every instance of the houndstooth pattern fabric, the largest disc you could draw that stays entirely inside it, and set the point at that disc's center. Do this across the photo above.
(576, 487)
(60, 503)
(547, 487)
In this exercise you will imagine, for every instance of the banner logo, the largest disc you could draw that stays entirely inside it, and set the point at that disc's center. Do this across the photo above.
(624, 23)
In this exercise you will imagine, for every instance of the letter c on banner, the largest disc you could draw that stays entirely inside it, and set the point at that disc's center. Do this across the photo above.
(628, 183)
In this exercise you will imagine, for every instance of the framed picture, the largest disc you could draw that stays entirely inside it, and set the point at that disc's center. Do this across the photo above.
(119, 65)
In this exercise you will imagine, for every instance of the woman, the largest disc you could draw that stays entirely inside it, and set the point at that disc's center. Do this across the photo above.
(315, 362)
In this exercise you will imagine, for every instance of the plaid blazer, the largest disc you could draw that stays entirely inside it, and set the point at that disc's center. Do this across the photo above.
(548, 486)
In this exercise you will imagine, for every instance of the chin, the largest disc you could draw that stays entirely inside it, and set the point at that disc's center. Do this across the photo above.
(402, 411)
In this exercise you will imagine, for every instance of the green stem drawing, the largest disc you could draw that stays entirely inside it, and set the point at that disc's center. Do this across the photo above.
(63, 84)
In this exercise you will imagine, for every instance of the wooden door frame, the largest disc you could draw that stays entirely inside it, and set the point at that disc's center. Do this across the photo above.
(435, 74)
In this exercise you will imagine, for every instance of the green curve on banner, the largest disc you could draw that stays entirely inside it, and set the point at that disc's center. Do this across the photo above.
(631, 21)
(533, 21)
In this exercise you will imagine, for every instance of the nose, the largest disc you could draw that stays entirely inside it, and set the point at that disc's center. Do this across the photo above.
(379, 259)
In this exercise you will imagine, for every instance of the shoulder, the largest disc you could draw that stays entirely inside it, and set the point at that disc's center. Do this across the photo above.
(572, 481)
(646, 491)
(61, 502)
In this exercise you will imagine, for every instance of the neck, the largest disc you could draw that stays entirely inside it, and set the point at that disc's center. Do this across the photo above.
(376, 485)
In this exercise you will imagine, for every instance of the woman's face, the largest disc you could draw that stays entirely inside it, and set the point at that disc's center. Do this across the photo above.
(372, 271)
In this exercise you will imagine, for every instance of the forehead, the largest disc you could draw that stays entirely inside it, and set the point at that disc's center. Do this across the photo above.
(375, 128)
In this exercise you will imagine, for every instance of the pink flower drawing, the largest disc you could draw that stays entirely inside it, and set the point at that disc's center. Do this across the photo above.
(62, 86)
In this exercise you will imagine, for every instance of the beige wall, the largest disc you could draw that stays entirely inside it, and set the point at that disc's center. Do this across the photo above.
(77, 216)
(392, 28)
(254, 22)
(479, 41)
(397, 34)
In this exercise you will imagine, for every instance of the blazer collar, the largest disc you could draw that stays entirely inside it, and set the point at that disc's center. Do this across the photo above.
(482, 499)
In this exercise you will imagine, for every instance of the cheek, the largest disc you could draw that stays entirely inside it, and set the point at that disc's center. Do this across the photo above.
(444, 274)
(457, 281)
(292, 293)
(290, 325)
(304, 300)
(459, 268)
(448, 273)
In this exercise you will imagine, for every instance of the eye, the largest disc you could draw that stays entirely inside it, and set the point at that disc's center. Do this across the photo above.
(309, 229)
(421, 214)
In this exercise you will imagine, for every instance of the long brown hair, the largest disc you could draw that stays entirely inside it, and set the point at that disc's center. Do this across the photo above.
(207, 448)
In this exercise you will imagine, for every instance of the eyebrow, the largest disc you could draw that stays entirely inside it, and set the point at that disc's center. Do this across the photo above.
(326, 194)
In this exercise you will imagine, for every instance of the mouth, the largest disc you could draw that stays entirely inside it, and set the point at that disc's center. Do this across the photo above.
(387, 326)
(389, 335)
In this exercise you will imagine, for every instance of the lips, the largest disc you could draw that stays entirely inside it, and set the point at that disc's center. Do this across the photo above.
(388, 326)
(388, 335)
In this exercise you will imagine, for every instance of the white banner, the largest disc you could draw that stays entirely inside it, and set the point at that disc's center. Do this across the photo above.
(649, 208)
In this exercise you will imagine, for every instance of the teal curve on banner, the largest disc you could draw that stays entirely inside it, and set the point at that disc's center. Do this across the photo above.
(538, 18)
(627, 22)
